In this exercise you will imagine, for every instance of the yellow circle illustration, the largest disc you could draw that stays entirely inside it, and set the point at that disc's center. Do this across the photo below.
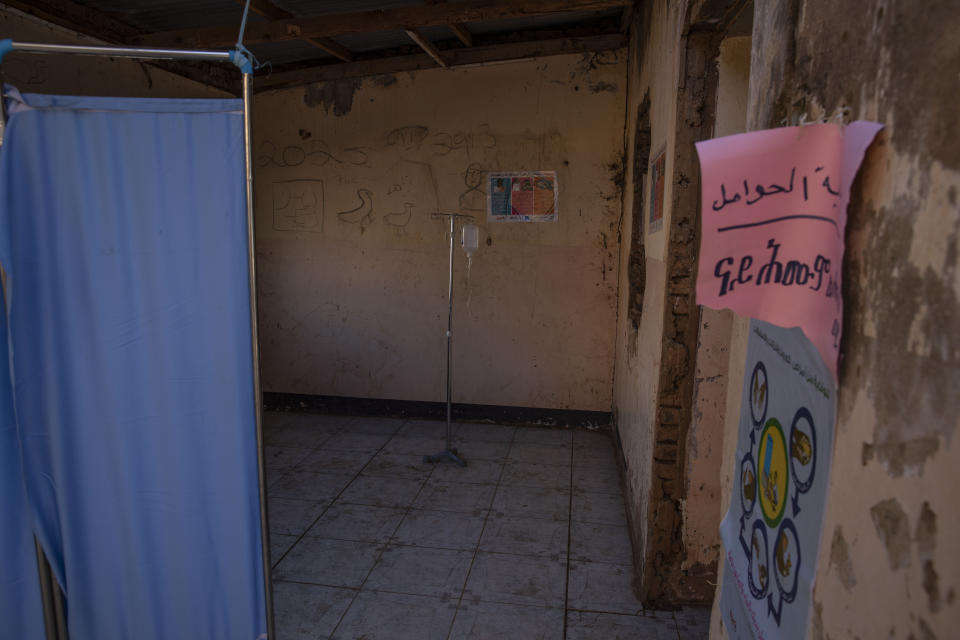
(773, 472)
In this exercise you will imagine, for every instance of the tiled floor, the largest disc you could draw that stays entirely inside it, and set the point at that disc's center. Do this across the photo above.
(529, 541)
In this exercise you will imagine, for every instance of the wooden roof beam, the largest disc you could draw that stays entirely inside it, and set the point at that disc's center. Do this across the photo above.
(462, 33)
(105, 29)
(454, 57)
(269, 10)
(397, 19)
(428, 47)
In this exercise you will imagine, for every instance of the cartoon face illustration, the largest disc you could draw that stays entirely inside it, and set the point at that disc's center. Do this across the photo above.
(782, 556)
(800, 447)
(749, 485)
(759, 391)
(761, 561)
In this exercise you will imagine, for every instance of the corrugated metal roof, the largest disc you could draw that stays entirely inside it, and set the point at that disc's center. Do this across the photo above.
(366, 42)
(323, 7)
(288, 51)
(168, 15)
(171, 15)
(531, 23)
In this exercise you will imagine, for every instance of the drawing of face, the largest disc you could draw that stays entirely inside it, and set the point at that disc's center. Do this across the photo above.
(473, 175)
(543, 196)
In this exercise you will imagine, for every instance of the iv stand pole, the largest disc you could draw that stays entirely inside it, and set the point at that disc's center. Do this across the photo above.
(449, 454)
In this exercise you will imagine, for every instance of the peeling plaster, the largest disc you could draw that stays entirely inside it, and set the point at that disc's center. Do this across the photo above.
(893, 529)
(840, 559)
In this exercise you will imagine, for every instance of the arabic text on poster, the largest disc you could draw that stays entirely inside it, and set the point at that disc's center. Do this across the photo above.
(774, 212)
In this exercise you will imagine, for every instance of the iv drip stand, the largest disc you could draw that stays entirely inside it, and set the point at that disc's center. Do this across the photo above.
(449, 454)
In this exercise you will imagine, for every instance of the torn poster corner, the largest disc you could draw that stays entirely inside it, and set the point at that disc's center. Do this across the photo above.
(774, 206)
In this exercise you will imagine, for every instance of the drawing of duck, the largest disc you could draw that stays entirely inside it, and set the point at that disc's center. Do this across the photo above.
(400, 219)
(362, 214)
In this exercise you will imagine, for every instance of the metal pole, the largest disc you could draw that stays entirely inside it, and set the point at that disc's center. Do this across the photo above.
(450, 334)
(449, 454)
(123, 52)
(255, 352)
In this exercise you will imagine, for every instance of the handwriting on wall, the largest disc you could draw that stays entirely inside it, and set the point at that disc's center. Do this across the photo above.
(315, 153)
(774, 212)
(391, 182)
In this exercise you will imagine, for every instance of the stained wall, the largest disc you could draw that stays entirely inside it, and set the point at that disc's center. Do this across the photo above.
(653, 72)
(81, 75)
(889, 561)
(353, 269)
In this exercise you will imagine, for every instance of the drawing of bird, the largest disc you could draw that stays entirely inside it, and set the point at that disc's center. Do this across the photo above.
(362, 214)
(400, 219)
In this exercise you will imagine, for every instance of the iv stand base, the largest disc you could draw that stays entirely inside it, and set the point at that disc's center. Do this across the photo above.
(449, 455)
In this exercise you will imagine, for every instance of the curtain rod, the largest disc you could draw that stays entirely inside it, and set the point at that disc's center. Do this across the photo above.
(236, 56)
(115, 52)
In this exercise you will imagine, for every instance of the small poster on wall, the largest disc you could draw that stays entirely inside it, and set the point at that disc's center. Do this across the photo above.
(657, 179)
(771, 533)
(522, 196)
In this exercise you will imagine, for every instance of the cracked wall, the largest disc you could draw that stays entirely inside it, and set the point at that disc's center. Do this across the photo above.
(670, 451)
(889, 562)
(353, 270)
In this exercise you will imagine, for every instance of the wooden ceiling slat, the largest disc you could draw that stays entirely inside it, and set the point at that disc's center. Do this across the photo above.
(427, 46)
(267, 9)
(397, 19)
(462, 33)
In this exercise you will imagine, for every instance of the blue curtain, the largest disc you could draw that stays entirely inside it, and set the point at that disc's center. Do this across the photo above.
(20, 605)
(123, 237)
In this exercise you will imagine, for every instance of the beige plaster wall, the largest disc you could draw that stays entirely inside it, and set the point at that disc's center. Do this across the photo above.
(889, 561)
(353, 270)
(705, 439)
(81, 75)
(653, 71)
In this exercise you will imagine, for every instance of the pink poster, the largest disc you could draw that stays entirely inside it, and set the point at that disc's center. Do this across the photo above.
(774, 209)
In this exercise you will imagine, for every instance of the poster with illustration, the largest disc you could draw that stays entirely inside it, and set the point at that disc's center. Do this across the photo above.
(771, 533)
(657, 182)
(522, 196)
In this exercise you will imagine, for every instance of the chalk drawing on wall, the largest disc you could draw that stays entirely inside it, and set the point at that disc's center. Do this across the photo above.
(314, 153)
(443, 143)
(298, 205)
(474, 198)
(362, 214)
(407, 139)
(401, 219)
(25, 71)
